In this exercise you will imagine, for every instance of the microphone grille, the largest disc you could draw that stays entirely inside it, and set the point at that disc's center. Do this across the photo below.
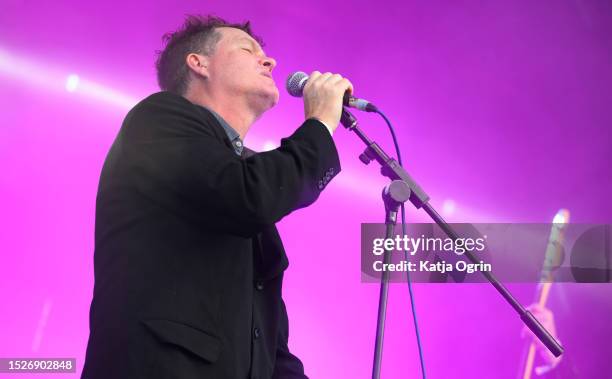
(296, 83)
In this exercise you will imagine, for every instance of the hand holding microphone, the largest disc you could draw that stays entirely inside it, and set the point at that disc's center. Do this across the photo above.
(324, 96)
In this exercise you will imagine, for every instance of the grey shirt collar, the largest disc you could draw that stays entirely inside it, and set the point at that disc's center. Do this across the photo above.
(232, 134)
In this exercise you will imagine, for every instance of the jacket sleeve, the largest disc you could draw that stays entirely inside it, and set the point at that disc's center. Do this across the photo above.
(196, 175)
(287, 365)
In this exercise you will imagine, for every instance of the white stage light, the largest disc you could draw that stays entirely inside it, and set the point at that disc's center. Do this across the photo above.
(448, 207)
(72, 82)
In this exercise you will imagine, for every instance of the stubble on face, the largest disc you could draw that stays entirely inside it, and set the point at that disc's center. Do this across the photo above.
(237, 68)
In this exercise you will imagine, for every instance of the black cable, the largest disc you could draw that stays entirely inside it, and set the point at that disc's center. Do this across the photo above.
(412, 303)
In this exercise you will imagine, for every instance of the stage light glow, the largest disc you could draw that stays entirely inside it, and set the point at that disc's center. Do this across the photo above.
(51, 78)
(108, 95)
(23, 70)
(448, 207)
(269, 145)
(42, 323)
(562, 217)
(72, 82)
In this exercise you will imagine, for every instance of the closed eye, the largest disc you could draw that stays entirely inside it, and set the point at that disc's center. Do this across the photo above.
(249, 50)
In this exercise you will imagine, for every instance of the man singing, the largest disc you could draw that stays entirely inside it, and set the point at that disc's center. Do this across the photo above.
(188, 262)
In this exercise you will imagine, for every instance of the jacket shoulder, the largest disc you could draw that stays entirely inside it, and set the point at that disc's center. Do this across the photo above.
(167, 115)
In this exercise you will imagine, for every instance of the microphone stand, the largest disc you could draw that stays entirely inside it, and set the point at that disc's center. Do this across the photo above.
(394, 194)
(403, 188)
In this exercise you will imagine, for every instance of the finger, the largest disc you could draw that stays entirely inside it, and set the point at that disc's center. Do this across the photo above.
(334, 78)
(339, 84)
(313, 75)
(342, 82)
(324, 78)
(347, 85)
(312, 78)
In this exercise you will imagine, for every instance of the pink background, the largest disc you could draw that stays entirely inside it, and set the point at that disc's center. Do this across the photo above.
(502, 110)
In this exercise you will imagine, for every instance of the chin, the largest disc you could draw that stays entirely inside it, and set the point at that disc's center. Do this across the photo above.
(275, 98)
(270, 98)
(264, 98)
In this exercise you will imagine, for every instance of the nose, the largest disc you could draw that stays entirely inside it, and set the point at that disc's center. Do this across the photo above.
(269, 63)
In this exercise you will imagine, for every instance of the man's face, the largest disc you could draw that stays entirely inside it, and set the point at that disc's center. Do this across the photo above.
(239, 66)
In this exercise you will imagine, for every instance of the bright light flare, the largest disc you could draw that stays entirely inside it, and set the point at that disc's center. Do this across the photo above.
(50, 78)
(72, 82)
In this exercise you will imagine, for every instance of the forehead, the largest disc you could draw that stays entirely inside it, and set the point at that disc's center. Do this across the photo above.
(234, 36)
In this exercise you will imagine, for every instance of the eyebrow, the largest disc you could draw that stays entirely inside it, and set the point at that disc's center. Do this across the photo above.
(250, 41)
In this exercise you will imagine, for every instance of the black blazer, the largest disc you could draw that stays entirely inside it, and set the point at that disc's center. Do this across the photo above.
(188, 263)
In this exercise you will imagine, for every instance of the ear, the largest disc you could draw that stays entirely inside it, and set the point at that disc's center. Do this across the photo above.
(198, 64)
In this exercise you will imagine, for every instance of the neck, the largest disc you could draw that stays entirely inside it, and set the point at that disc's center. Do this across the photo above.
(233, 109)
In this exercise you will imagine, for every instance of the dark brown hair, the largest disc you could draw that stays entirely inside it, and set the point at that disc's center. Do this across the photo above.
(196, 35)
